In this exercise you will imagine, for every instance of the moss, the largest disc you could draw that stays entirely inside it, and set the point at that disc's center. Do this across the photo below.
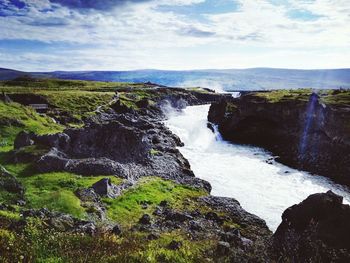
(15, 118)
(64, 201)
(10, 215)
(78, 103)
(56, 191)
(200, 90)
(154, 152)
(329, 97)
(20, 169)
(127, 209)
(337, 97)
(127, 102)
(284, 95)
(231, 107)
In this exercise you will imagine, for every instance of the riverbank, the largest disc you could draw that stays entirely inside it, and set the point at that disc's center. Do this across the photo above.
(99, 168)
(305, 130)
(249, 174)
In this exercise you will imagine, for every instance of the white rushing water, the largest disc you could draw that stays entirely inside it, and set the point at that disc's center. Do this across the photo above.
(241, 171)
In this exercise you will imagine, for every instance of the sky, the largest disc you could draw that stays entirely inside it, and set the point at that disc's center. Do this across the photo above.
(48, 35)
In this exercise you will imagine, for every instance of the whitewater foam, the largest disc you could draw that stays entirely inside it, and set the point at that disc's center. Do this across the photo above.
(242, 172)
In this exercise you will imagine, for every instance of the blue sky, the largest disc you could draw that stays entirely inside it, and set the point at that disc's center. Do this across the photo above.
(45, 35)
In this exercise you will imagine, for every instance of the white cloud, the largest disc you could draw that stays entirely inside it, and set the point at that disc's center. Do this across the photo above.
(141, 36)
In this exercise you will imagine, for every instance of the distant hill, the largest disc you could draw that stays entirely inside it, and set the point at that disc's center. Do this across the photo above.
(231, 79)
(7, 74)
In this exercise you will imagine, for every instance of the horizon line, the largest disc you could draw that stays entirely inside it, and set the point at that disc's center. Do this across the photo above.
(173, 70)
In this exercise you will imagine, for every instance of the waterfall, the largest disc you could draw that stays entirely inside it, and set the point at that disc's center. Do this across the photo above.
(248, 174)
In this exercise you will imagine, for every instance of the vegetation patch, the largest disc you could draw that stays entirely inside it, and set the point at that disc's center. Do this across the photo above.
(78, 103)
(56, 191)
(154, 152)
(127, 209)
(12, 215)
(284, 95)
(39, 244)
(331, 97)
(15, 118)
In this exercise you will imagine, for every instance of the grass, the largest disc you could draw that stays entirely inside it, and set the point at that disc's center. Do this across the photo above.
(14, 216)
(285, 95)
(80, 98)
(130, 99)
(55, 191)
(330, 97)
(15, 118)
(37, 244)
(340, 98)
(78, 103)
(190, 250)
(127, 209)
(32, 85)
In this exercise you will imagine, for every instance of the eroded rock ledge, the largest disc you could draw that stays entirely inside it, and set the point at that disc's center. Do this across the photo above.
(305, 130)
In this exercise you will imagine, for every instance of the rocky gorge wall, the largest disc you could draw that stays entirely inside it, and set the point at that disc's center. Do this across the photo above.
(307, 131)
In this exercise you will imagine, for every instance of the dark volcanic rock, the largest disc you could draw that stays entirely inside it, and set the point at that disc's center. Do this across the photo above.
(305, 133)
(232, 208)
(117, 230)
(60, 222)
(223, 248)
(175, 245)
(145, 219)
(23, 139)
(94, 166)
(177, 216)
(316, 230)
(92, 202)
(104, 187)
(54, 160)
(9, 183)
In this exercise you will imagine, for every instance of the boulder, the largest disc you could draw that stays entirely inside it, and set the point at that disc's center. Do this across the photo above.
(145, 219)
(116, 230)
(9, 182)
(315, 230)
(53, 161)
(96, 166)
(223, 248)
(23, 139)
(153, 236)
(175, 245)
(178, 217)
(105, 188)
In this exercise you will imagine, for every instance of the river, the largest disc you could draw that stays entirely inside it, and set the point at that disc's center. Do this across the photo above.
(241, 171)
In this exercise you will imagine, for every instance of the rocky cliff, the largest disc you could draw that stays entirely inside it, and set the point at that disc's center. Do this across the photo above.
(305, 130)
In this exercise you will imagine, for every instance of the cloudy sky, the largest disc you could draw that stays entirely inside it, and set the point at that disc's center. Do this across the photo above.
(43, 35)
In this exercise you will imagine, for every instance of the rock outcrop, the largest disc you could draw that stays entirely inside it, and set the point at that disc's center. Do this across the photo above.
(9, 183)
(303, 131)
(316, 230)
(123, 141)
